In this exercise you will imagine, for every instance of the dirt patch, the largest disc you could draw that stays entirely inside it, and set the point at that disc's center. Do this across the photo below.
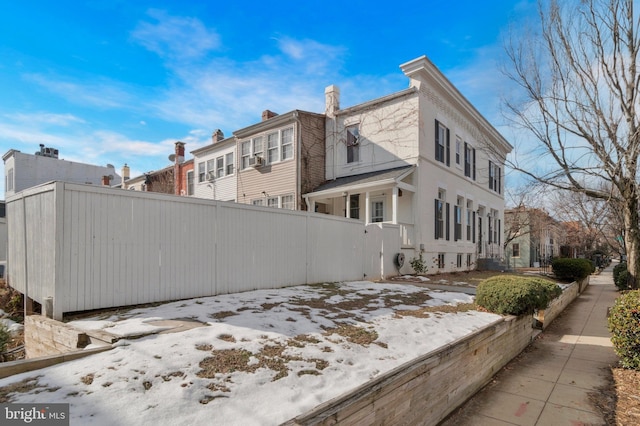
(619, 400)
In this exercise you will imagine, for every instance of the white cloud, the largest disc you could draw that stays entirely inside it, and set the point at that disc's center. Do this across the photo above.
(175, 37)
(46, 118)
(102, 93)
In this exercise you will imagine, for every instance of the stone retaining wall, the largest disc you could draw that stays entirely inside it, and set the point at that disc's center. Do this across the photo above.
(425, 390)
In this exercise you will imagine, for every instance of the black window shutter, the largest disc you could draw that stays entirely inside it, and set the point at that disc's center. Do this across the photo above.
(473, 227)
(474, 164)
(438, 141)
(448, 149)
(435, 216)
(499, 180)
(499, 226)
(447, 221)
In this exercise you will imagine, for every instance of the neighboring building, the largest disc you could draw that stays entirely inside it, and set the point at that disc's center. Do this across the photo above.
(4, 239)
(163, 180)
(280, 159)
(533, 238)
(24, 171)
(215, 172)
(422, 159)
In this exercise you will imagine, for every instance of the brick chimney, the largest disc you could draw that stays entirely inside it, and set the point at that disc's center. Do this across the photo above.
(179, 152)
(106, 180)
(266, 114)
(217, 136)
(331, 99)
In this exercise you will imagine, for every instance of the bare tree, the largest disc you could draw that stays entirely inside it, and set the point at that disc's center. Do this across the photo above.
(580, 84)
(585, 219)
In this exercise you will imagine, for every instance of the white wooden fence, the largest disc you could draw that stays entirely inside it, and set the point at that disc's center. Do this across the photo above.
(91, 247)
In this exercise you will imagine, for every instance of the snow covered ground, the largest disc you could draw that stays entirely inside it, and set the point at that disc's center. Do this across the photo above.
(262, 358)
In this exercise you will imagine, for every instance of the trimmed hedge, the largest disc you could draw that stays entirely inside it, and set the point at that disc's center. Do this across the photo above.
(624, 324)
(572, 269)
(621, 276)
(516, 295)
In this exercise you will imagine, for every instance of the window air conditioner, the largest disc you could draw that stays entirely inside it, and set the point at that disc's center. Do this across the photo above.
(256, 161)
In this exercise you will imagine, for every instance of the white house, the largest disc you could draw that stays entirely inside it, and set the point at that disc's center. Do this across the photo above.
(24, 171)
(214, 173)
(423, 159)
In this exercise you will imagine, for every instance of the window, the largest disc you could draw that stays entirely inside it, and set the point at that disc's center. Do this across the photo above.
(220, 167)
(258, 148)
(229, 163)
(516, 250)
(287, 202)
(458, 148)
(469, 161)
(468, 259)
(377, 211)
(457, 217)
(440, 260)
(442, 143)
(272, 148)
(258, 202)
(211, 169)
(272, 202)
(287, 143)
(459, 260)
(353, 144)
(469, 219)
(439, 219)
(354, 206)
(495, 178)
(201, 172)
(245, 150)
(190, 182)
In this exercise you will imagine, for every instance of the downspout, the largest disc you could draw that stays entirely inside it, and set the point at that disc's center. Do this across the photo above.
(298, 195)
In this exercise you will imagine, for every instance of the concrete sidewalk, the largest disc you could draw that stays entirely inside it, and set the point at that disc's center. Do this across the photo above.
(549, 383)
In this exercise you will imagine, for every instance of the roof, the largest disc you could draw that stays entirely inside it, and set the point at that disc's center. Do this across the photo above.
(389, 174)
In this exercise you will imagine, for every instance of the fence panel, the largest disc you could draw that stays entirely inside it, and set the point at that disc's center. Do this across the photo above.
(93, 247)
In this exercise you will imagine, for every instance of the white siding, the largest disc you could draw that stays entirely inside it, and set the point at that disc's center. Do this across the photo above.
(93, 247)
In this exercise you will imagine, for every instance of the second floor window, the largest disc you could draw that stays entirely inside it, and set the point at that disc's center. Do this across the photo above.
(353, 144)
(495, 177)
(516, 250)
(219, 167)
(442, 143)
(229, 163)
(201, 172)
(190, 182)
(287, 144)
(469, 161)
(272, 148)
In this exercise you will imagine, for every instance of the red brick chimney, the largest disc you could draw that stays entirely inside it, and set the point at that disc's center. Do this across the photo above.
(266, 114)
(106, 180)
(178, 160)
(217, 136)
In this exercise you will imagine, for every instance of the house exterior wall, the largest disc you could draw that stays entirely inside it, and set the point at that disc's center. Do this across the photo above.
(24, 171)
(224, 187)
(388, 136)
(459, 159)
(284, 177)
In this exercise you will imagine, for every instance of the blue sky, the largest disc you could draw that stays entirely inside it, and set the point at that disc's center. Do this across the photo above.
(110, 81)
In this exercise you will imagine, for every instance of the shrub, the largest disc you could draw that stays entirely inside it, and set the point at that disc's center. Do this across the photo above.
(5, 338)
(624, 324)
(516, 295)
(572, 269)
(620, 275)
(418, 264)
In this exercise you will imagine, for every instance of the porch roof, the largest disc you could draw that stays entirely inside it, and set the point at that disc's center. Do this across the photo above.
(389, 176)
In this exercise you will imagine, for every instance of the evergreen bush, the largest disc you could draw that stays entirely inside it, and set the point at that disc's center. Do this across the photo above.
(572, 269)
(620, 276)
(624, 324)
(516, 295)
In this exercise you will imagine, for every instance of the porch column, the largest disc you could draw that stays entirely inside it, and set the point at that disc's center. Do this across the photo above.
(394, 206)
(367, 208)
(347, 205)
